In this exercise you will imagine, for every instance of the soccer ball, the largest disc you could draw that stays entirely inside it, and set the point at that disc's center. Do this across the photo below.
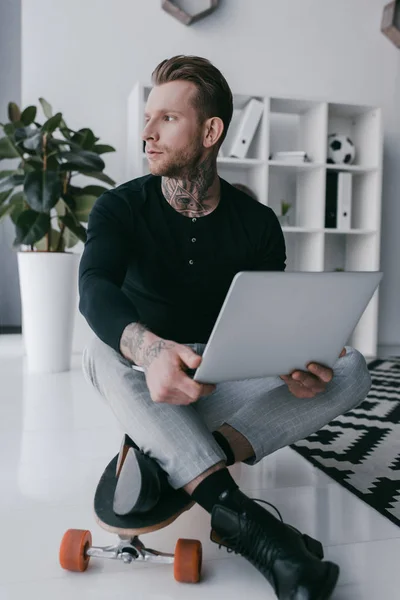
(340, 149)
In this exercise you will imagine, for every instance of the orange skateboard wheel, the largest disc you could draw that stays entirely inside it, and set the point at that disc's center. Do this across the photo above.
(187, 561)
(73, 549)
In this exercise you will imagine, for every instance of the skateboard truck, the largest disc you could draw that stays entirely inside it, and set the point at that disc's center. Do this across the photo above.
(76, 550)
(129, 550)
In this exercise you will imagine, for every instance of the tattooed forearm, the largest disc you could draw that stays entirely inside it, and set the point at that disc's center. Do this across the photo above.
(140, 346)
(153, 351)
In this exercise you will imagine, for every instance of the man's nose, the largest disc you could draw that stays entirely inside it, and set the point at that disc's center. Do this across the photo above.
(149, 132)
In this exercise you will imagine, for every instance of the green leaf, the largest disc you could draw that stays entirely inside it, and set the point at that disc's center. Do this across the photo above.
(29, 137)
(101, 176)
(33, 163)
(77, 229)
(52, 124)
(11, 182)
(28, 115)
(70, 239)
(47, 109)
(60, 208)
(21, 133)
(9, 172)
(9, 129)
(85, 138)
(5, 210)
(64, 130)
(4, 196)
(28, 167)
(91, 190)
(102, 148)
(94, 190)
(55, 144)
(18, 203)
(14, 113)
(31, 227)
(43, 190)
(83, 160)
(53, 164)
(34, 142)
(7, 149)
(83, 206)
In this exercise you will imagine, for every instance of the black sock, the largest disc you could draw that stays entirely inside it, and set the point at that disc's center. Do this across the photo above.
(225, 447)
(208, 491)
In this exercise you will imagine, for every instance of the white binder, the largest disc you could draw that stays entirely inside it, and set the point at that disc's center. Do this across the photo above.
(247, 126)
(344, 201)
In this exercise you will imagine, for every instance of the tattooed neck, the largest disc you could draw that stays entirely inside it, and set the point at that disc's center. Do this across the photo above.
(197, 193)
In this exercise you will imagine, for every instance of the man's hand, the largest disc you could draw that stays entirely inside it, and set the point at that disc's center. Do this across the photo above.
(165, 373)
(303, 384)
(164, 363)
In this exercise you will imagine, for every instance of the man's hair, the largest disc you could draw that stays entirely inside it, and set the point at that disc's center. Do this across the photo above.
(213, 97)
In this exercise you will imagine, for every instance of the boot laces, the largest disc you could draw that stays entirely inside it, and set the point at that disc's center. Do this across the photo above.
(263, 555)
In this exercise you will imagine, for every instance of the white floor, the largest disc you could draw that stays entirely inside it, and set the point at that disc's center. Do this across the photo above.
(56, 436)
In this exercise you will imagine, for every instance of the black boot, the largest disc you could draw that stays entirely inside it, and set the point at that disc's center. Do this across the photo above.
(277, 550)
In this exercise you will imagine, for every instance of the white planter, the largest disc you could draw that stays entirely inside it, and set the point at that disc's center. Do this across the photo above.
(48, 284)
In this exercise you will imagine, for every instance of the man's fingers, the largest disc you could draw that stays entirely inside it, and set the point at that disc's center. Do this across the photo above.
(193, 389)
(321, 372)
(309, 381)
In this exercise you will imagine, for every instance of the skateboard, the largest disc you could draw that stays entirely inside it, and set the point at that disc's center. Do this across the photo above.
(76, 548)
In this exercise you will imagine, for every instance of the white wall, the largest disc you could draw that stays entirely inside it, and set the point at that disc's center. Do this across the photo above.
(85, 55)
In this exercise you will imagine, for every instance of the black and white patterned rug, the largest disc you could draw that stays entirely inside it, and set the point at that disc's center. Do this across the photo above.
(361, 449)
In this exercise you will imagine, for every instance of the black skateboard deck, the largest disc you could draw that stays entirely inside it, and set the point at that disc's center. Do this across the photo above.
(171, 505)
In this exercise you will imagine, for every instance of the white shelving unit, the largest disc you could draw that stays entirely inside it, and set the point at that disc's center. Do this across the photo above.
(300, 124)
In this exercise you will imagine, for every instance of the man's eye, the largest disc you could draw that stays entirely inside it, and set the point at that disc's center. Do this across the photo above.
(169, 117)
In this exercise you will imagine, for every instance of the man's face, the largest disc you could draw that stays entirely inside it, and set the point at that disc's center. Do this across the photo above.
(172, 131)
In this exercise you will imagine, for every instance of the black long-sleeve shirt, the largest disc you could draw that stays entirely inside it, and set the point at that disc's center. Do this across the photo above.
(145, 262)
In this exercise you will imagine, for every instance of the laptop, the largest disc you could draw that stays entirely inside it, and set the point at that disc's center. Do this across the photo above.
(274, 322)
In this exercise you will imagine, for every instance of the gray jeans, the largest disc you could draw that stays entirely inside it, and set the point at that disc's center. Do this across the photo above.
(180, 438)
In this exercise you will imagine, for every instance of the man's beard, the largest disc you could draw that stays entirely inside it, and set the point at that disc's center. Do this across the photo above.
(181, 166)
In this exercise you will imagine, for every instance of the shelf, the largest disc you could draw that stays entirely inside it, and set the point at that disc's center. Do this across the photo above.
(295, 166)
(351, 168)
(292, 106)
(242, 163)
(301, 124)
(305, 166)
(288, 229)
(350, 231)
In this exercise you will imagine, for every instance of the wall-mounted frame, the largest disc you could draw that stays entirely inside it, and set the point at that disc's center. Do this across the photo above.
(172, 7)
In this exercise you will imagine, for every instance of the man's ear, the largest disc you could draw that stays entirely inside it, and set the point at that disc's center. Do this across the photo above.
(214, 128)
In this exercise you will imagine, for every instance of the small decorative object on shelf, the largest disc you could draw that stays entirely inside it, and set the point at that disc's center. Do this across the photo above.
(341, 149)
(284, 216)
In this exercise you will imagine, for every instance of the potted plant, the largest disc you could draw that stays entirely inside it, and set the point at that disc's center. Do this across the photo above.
(48, 211)
(284, 216)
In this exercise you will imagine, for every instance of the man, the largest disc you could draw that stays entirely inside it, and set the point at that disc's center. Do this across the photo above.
(161, 253)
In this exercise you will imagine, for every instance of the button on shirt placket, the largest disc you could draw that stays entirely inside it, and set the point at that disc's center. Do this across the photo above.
(193, 241)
